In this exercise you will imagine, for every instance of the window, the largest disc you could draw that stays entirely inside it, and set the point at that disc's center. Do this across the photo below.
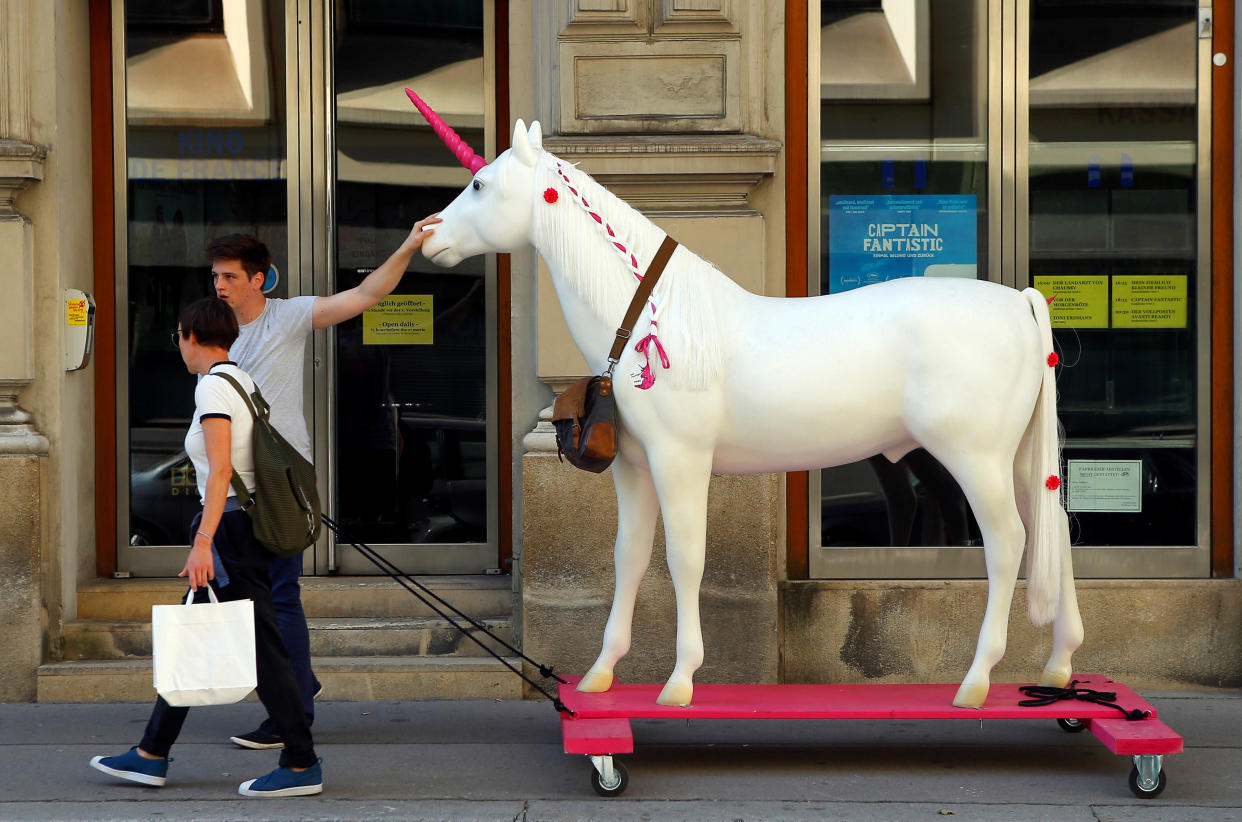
(229, 124)
(1057, 143)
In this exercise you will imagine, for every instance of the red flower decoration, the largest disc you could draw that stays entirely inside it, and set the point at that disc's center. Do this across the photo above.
(1053, 359)
(1053, 482)
(550, 195)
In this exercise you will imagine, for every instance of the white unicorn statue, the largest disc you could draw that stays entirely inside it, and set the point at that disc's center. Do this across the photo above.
(728, 382)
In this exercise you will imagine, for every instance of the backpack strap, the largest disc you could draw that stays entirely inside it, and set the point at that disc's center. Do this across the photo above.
(243, 495)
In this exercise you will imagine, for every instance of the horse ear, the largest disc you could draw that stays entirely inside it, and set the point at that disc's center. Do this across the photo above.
(535, 135)
(522, 144)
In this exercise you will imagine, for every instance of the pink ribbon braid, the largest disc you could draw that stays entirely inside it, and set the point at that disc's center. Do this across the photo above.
(641, 348)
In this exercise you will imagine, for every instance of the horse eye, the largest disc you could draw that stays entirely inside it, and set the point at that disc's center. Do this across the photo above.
(477, 185)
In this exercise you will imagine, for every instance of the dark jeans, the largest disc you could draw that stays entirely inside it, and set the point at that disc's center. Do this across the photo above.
(287, 597)
(247, 564)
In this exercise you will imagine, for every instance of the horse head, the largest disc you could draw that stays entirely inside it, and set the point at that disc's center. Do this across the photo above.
(494, 213)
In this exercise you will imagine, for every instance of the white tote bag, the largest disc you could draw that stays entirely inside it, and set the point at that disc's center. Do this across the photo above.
(203, 653)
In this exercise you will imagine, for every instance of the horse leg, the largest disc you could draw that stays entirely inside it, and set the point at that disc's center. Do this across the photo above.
(636, 518)
(988, 485)
(681, 481)
(1067, 632)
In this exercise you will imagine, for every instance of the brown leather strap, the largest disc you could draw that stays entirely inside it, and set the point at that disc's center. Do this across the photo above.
(640, 298)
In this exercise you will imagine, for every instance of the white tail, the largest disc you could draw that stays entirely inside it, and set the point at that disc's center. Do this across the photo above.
(1044, 534)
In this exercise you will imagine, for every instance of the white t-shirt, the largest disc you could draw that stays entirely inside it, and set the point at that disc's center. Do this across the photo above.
(272, 349)
(216, 397)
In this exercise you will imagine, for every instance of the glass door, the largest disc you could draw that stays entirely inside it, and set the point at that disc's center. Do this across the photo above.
(412, 446)
(286, 119)
(202, 150)
(1057, 144)
(908, 111)
(1115, 182)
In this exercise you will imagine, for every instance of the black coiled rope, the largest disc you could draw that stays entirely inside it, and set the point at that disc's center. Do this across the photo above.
(1047, 695)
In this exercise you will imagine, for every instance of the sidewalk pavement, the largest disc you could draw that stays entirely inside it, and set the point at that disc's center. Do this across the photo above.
(502, 760)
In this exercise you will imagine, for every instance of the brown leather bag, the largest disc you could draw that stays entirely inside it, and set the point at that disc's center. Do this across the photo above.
(585, 414)
(585, 417)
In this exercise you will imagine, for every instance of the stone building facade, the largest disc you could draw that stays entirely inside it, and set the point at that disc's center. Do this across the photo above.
(730, 124)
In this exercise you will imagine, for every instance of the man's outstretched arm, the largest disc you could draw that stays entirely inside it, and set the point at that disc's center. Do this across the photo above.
(337, 308)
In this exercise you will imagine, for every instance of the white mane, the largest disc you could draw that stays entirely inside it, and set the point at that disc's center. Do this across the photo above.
(688, 294)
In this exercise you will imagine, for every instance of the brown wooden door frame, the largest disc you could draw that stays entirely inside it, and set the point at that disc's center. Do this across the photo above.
(103, 228)
(1223, 440)
(504, 315)
(1224, 443)
(797, 146)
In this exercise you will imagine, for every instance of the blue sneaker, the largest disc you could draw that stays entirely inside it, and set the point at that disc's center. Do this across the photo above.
(286, 782)
(130, 765)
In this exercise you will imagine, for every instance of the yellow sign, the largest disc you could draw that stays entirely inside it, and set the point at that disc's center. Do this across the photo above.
(1144, 301)
(402, 319)
(1080, 302)
(75, 312)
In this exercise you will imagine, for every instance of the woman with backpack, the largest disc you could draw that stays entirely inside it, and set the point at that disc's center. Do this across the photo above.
(225, 555)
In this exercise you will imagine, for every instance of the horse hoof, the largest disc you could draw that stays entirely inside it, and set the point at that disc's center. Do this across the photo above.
(971, 695)
(595, 682)
(1054, 679)
(677, 696)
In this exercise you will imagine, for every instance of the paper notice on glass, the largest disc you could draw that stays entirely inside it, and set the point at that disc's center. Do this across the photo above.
(401, 319)
(1105, 486)
(1077, 301)
(1144, 301)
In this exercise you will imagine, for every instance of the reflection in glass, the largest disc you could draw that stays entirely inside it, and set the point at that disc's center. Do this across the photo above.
(903, 124)
(205, 143)
(1112, 213)
(410, 439)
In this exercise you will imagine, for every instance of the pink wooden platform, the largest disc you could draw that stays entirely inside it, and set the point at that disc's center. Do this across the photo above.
(601, 724)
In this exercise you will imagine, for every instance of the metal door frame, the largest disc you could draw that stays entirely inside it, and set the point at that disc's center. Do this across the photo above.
(433, 558)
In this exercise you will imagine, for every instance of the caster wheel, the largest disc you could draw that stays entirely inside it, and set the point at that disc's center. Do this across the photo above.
(615, 789)
(1071, 726)
(1142, 793)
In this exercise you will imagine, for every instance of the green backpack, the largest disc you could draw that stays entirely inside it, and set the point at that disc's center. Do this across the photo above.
(284, 510)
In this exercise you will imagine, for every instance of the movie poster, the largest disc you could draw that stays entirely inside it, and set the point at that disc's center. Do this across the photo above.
(880, 237)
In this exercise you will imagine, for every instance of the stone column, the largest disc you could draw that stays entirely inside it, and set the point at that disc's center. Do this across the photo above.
(23, 450)
(662, 102)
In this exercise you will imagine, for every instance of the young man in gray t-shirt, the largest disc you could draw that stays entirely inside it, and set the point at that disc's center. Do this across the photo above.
(270, 347)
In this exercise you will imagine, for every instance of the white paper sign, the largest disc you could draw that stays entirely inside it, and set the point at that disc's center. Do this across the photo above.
(1110, 486)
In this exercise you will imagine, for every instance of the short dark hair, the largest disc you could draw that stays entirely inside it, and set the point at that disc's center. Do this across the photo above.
(211, 321)
(249, 251)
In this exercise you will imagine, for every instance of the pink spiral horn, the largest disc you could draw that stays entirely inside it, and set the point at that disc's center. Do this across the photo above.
(464, 153)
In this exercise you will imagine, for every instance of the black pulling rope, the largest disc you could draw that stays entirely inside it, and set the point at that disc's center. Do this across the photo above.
(1046, 695)
(425, 595)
